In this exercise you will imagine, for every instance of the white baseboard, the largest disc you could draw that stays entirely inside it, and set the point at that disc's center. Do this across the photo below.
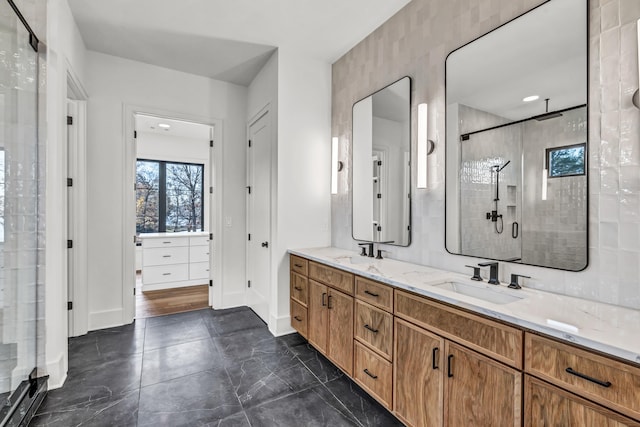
(105, 319)
(57, 372)
(279, 326)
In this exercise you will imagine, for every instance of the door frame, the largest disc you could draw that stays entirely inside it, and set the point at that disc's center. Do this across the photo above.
(266, 110)
(129, 207)
(75, 160)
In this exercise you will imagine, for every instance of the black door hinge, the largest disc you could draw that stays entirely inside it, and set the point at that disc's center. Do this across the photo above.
(134, 291)
(248, 283)
(69, 244)
(249, 236)
(379, 228)
(249, 143)
(379, 162)
(210, 190)
(135, 134)
(210, 283)
(464, 137)
(69, 305)
(69, 182)
(211, 143)
(210, 236)
(379, 196)
(69, 120)
(249, 189)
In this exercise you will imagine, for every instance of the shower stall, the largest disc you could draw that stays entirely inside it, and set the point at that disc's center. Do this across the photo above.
(22, 384)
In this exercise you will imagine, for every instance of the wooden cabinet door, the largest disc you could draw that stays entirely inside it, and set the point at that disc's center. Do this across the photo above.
(479, 391)
(317, 323)
(341, 330)
(418, 380)
(549, 406)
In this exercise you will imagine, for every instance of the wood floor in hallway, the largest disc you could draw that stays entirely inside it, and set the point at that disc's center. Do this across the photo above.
(170, 301)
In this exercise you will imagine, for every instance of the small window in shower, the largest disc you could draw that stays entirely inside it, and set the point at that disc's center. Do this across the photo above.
(566, 161)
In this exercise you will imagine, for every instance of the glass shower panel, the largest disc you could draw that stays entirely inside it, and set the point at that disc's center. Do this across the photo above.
(18, 208)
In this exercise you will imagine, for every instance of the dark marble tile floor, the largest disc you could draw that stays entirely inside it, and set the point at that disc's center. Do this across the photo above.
(204, 368)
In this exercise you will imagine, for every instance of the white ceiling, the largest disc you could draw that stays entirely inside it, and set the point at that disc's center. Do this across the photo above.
(177, 128)
(542, 53)
(228, 40)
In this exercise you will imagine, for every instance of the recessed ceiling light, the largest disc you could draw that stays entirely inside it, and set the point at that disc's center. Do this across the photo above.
(531, 98)
(164, 125)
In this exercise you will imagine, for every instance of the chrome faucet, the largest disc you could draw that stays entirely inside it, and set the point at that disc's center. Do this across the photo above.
(493, 271)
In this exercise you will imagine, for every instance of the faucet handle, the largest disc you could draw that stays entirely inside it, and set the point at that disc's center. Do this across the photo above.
(476, 273)
(514, 281)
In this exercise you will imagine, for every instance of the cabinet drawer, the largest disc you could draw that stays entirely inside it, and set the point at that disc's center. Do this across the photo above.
(375, 293)
(603, 380)
(299, 265)
(165, 274)
(199, 241)
(299, 318)
(299, 288)
(494, 339)
(547, 405)
(164, 256)
(199, 254)
(374, 327)
(333, 277)
(199, 270)
(165, 242)
(374, 374)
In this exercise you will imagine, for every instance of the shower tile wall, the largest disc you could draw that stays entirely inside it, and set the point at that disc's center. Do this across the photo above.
(553, 230)
(480, 236)
(415, 42)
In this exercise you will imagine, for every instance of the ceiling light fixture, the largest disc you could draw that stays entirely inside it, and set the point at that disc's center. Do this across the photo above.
(164, 125)
(530, 98)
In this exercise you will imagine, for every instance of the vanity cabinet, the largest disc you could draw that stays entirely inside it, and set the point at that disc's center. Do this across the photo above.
(613, 384)
(548, 406)
(440, 382)
(326, 309)
(433, 364)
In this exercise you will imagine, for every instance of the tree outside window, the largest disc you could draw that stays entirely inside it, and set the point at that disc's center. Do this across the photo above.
(169, 196)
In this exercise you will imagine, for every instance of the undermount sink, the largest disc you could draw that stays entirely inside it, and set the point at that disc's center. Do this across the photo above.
(480, 291)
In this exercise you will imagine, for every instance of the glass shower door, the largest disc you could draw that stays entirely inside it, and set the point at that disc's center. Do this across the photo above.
(18, 213)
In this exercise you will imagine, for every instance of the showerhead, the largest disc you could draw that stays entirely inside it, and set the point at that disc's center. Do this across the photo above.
(499, 168)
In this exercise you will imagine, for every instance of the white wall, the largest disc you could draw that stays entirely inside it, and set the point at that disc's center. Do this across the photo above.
(65, 53)
(116, 84)
(303, 180)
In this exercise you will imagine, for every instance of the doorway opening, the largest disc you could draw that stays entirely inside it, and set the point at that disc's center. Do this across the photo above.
(173, 215)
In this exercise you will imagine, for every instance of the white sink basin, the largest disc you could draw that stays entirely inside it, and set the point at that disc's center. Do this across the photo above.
(483, 292)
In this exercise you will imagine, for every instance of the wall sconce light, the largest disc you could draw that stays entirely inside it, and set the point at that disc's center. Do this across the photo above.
(636, 94)
(425, 146)
(336, 165)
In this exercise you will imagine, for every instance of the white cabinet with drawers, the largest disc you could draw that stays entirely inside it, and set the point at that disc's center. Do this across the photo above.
(173, 260)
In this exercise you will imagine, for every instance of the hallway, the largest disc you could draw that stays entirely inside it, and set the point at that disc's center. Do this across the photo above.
(206, 367)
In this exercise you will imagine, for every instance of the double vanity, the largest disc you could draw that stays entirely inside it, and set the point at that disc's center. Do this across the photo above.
(436, 348)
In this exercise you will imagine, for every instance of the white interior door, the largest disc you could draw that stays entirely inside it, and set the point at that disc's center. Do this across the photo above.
(259, 215)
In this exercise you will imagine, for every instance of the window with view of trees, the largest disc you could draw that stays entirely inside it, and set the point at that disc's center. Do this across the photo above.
(169, 196)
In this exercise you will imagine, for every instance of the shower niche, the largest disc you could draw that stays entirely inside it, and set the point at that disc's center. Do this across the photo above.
(516, 140)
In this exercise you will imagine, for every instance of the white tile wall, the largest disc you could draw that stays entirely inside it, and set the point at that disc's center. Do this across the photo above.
(415, 42)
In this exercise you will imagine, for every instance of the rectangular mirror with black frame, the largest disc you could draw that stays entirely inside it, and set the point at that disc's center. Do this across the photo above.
(516, 140)
(382, 165)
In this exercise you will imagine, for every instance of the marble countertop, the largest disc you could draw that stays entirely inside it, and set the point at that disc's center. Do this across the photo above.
(177, 234)
(602, 327)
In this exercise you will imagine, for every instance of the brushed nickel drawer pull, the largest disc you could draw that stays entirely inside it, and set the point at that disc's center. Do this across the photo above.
(371, 293)
(606, 384)
(366, 371)
(298, 318)
(375, 331)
